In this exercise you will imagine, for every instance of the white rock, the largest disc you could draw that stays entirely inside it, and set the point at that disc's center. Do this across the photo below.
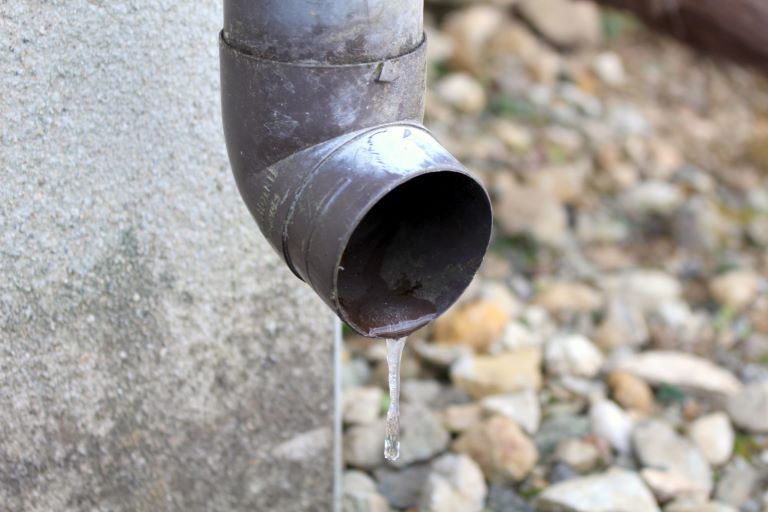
(522, 407)
(579, 454)
(667, 485)
(564, 23)
(609, 68)
(749, 408)
(646, 289)
(658, 446)
(361, 405)
(736, 288)
(652, 197)
(687, 371)
(359, 494)
(462, 92)
(698, 506)
(714, 436)
(610, 422)
(517, 335)
(615, 491)
(455, 484)
(572, 354)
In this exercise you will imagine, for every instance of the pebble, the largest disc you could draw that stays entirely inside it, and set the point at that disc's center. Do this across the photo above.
(749, 408)
(422, 435)
(441, 355)
(462, 92)
(558, 428)
(500, 448)
(609, 421)
(652, 196)
(569, 297)
(478, 325)
(622, 325)
(714, 436)
(505, 499)
(563, 182)
(359, 494)
(458, 418)
(581, 455)
(667, 486)
(736, 483)
(521, 407)
(614, 491)
(420, 391)
(658, 446)
(402, 488)
(564, 23)
(698, 506)
(681, 369)
(361, 405)
(507, 372)
(572, 355)
(363, 445)
(470, 29)
(526, 210)
(735, 289)
(643, 288)
(630, 392)
(455, 484)
(609, 68)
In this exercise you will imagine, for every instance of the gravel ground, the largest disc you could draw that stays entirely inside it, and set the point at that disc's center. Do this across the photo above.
(612, 355)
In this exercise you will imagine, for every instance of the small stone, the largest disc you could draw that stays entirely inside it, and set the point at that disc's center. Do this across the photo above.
(569, 297)
(526, 210)
(440, 47)
(563, 182)
(572, 355)
(421, 435)
(359, 494)
(470, 29)
(402, 488)
(749, 408)
(615, 491)
(477, 324)
(560, 472)
(513, 41)
(417, 391)
(623, 324)
(735, 289)
(505, 499)
(364, 445)
(736, 483)
(652, 197)
(581, 455)
(630, 392)
(441, 355)
(698, 506)
(361, 405)
(558, 428)
(667, 485)
(462, 92)
(521, 407)
(609, 68)
(516, 137)
(517, 335)
(455, 484)
(500, 295)
(507, 372)
(500, 448)
(658, 446)
(610, 422)
(564, 23)
(645, 289)
(714, 436)
(458, 418)
(683, 370)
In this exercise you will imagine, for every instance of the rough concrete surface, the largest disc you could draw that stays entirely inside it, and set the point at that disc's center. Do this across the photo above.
(154, 354)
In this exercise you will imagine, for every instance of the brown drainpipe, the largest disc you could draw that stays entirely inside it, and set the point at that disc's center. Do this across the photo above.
(322, 103)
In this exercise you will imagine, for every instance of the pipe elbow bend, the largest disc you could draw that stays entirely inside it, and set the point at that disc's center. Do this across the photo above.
(356, 196)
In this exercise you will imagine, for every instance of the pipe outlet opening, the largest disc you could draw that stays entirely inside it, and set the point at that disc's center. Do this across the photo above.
(413, 253)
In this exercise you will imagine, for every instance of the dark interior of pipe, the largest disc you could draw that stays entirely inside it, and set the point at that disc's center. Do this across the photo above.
(413, 254)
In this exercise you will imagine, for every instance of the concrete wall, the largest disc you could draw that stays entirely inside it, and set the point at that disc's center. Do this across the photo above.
(154, 354)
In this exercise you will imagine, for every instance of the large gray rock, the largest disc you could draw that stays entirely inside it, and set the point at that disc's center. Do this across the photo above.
(359, 494)
(658, 446)
(736, 482)
(456, 484)
(156, 354)
(615, 491)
